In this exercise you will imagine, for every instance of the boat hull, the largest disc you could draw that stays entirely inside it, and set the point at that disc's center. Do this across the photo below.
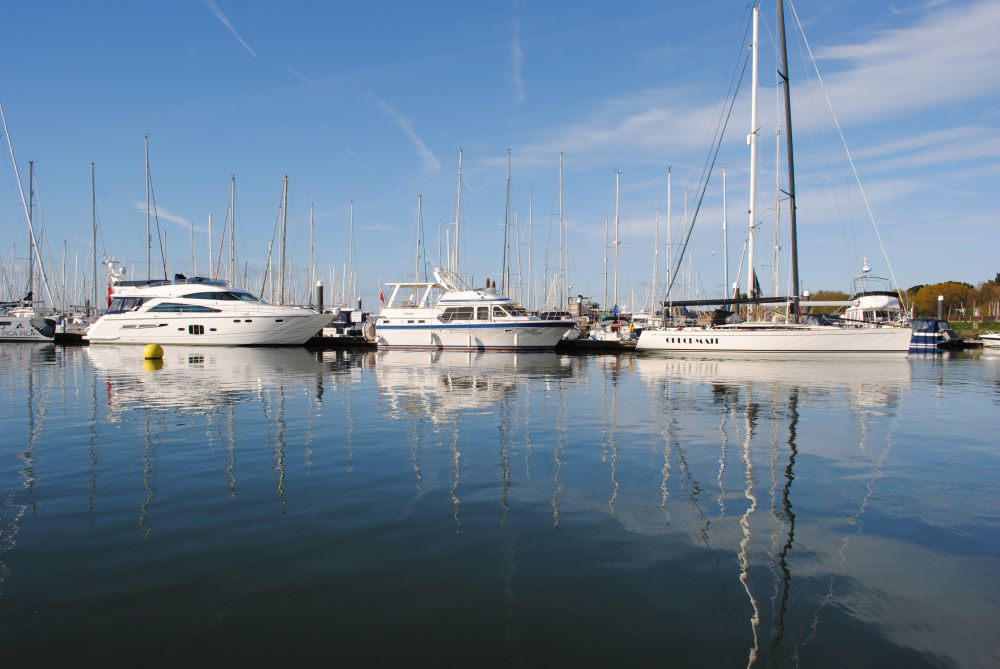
(27, 328)
(472, 337)
(249, 328)
(818, 339)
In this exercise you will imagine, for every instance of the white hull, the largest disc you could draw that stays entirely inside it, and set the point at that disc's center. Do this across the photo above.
(990, 340)
(252, 326)
(472, 336)
(776, 339)
(26, 328)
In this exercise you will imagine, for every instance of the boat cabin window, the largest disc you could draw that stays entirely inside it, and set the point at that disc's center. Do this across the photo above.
(120, 305)
(458, 314)
(518, 311)
(174, 307)
(482, 313)
(230, 295)
(499, 312)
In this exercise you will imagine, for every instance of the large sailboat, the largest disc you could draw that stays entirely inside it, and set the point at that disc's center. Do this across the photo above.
(784, 333)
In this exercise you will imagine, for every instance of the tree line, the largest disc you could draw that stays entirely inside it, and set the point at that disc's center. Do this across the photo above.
(962, 301)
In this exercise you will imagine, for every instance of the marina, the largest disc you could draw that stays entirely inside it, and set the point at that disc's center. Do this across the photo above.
(320, 396)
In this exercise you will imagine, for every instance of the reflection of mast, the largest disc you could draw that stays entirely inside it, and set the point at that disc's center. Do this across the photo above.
(415, 453)
(148, 458)
(456, 478)
(788, 517)
(93, 446)
(279, 444)
(560, 444)
(853, 520)
(744, 552)
(229, 458)
(615, 450)
(504, 429)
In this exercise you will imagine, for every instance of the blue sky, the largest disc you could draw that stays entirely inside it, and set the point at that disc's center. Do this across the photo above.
(371, 102)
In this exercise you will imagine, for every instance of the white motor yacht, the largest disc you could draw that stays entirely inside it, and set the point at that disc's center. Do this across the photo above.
(443, 315)
(199, 311)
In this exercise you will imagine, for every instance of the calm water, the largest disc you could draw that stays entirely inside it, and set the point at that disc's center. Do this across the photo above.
(253, 507)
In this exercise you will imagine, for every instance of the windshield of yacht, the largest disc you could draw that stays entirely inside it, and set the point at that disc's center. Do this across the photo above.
(223, 295)
(120, 305)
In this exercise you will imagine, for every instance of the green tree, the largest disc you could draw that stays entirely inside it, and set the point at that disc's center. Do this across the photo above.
(957, 295)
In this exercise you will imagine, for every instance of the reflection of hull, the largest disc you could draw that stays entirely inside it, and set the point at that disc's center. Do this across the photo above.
(776, 339)
(440, 382)
(253, 325)
(26, 328)
(473, 336)
(196, 379)
(872, 379)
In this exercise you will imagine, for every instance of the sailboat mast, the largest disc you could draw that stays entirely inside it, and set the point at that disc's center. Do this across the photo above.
(312, 246)
(791, 167)
(656, 261)
(31, 220)
(456, 265)
(670, 254)
(618, 174)
(149, 235)
(211, 259)
(531, 276)
(752, 138)
(232, 228)
(284, 232)
(605, 263)
(420, 234)
(505, 276)
(93, 220)
(725, 237)
(562, 238)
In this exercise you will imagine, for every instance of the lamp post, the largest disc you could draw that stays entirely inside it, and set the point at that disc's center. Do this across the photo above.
(940, 307)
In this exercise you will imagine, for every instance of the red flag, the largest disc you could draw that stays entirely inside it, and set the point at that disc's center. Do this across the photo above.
(110, 290)
(381, 296)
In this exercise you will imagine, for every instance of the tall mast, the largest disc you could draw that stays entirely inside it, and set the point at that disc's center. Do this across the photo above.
(284, 232)
(149, 235)
(350, 273)
(618, 174)
(752, 138)
(24, 203)
(656, 260)
(670, 248)
(312, 246)
(211, 259)
(194, 257)
(505, 269)
(420, 234)
(456, 261)
(725, 237)
(605, 264)
(232, 229)
(531, 277)
(93, 219)
(31, 220)
(791, 167)
(562, 238)
(775, 260)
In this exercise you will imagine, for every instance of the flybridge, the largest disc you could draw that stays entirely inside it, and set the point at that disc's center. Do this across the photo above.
(178, 279)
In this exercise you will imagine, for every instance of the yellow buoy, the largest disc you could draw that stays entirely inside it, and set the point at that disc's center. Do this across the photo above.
(152, 364)
(152, 352)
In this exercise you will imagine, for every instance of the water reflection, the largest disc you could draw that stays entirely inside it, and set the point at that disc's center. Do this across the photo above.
(755, 509)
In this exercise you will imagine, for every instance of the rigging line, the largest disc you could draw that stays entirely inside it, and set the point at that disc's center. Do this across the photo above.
(850, 158)
(707, 172)
(156, 216)
(24, 204)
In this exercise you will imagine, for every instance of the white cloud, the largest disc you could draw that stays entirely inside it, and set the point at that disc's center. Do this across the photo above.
(214, 8)
(517, 63)
(429, 159)
(165, 215)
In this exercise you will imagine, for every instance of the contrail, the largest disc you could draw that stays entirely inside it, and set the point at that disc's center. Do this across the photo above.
(214, 8)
